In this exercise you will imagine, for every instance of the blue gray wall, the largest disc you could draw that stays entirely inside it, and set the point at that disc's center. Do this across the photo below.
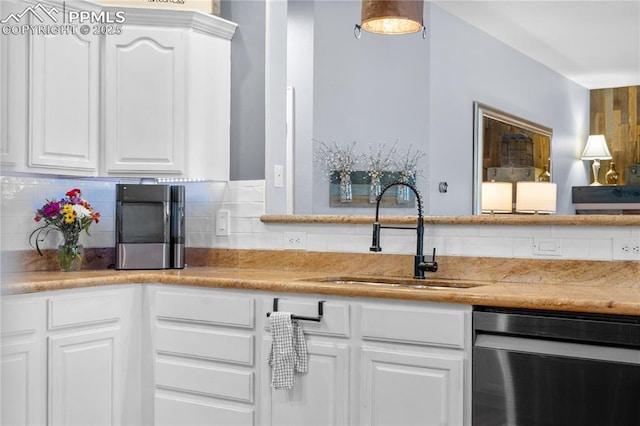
(468, 65)
(247, 87)
(381, 89)
(384, 88)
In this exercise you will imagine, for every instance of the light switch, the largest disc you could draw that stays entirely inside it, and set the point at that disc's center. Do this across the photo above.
(222, 223)
(547, 247)
(278, 176)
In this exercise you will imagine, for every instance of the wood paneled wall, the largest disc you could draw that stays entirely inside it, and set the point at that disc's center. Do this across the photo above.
(615, 113)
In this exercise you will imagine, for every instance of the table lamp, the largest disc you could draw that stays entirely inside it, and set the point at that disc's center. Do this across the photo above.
(596, 150)
(497, 197)
(536, 197)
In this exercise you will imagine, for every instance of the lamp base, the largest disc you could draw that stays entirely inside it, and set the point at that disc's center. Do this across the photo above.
(595, 167)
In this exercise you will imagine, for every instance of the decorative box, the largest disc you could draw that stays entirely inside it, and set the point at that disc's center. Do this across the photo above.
(622, 199)
(211, 7)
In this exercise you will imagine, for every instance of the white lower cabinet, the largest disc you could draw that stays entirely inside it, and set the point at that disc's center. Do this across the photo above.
(375, 363)
(84, 367)
(412, 362)
(22, 369)
(203, 356)
(75, 361)
(411, 388)
(176, 355)
(321, 395)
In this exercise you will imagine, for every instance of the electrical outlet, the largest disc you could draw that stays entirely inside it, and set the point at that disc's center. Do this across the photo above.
(222, 223)
(626, 248)
(295, 240)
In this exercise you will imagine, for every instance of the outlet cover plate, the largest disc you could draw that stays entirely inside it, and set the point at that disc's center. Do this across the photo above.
(626, 248)
(295, 240)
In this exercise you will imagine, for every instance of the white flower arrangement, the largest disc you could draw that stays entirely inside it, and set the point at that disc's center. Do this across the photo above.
(407, 163)
(380, 162)
(337, 158)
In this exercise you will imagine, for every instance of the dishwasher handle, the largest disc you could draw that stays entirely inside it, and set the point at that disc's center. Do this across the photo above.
(555, 348)
(579, 328)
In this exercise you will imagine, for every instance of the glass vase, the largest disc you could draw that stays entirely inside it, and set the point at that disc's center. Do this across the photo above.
(374, 189)
(403, 195)
(346, 189)
(612, 176)
(70, 256)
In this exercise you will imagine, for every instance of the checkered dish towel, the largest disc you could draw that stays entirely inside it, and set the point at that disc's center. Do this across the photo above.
(288, 354)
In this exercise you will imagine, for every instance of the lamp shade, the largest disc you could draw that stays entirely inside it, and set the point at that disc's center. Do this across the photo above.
(596, 149)
(497, 197)
(536, 197)
(392, 16)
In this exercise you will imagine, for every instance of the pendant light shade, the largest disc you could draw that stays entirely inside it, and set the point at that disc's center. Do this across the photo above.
(392, 16)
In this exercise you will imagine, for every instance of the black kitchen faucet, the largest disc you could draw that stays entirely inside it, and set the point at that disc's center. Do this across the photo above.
(420, 265)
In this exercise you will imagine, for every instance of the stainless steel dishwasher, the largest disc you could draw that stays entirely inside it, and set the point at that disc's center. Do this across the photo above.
(555, 368)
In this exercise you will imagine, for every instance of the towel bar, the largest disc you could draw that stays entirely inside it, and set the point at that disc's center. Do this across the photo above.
(300, 317)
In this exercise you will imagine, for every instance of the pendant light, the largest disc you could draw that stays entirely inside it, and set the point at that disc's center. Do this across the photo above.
(391, 17)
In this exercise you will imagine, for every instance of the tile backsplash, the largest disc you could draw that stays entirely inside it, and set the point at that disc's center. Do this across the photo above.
(244, 200)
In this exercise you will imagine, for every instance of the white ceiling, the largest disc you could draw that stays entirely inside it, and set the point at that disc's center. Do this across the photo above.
(594, 43)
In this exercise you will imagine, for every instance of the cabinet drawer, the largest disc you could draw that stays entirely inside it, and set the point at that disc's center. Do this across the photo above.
(438, 327)
(207, 380)
(206, 344)
(173, 411)
(79, 310)
(206, 308)
(335, 319)
(21, 317)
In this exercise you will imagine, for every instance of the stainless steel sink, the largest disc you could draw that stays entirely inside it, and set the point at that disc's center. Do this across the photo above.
(433, 284)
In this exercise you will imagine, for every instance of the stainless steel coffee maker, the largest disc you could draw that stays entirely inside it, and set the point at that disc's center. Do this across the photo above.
(150, 226)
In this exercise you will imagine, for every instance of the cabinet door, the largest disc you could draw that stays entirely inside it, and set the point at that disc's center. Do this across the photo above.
(13, 94)
(319, 396)
(411, 388)
(22, 379)
(5, 155)
(84, 375)
(209, 100)
(23, 362)
(64, 102)
(145, 101)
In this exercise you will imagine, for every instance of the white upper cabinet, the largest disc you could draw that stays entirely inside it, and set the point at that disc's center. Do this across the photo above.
(148, 95)
(64, 103)
(145, 100)
(208, 105)
(167, 95)
(13, 94)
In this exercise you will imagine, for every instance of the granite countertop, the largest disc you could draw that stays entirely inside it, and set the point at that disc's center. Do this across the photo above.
(484, 219)
(578, 287)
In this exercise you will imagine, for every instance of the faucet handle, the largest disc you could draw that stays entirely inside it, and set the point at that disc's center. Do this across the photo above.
(430, 266)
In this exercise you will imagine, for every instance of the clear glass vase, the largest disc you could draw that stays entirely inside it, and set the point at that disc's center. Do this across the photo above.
(404, 193)
(374, 189)
(346, 189)
(70, 256)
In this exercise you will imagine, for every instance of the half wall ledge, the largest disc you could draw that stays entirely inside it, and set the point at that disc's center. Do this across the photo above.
(510, 219)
